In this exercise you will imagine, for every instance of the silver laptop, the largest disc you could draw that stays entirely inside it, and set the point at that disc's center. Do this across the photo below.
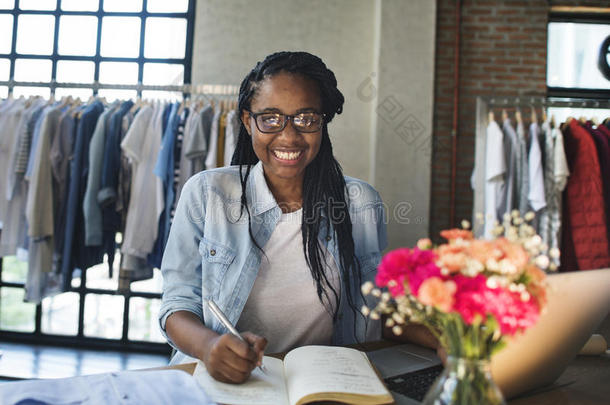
(577, 304)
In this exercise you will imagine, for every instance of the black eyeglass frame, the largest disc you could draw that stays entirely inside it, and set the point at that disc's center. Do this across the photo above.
(287, 117)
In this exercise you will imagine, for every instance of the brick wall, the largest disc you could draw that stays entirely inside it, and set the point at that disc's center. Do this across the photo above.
(503, 52)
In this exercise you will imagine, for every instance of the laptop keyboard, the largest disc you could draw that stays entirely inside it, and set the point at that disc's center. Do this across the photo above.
(414, 384)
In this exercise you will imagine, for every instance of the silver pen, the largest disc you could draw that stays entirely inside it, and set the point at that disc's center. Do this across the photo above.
(223, 319)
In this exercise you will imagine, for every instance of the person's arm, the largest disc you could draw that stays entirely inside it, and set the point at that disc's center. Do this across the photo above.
(226, 358)
(417, 334)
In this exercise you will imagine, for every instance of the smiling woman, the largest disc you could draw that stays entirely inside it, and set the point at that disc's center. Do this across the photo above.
(288, 270)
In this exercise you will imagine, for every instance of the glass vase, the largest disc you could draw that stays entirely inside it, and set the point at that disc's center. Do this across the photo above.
(465, 382)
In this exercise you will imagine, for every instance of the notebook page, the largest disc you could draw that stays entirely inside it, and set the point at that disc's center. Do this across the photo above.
(313, 369)
(260, 389)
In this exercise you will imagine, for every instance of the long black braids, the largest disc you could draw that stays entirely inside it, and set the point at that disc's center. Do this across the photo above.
(324, 189)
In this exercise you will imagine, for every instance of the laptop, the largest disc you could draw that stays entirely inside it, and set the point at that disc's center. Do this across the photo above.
(577, 303)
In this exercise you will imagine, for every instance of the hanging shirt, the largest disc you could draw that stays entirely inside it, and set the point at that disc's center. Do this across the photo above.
(211, 161)
(10, 116)
(231, 135)
(535, 196)
(523, 178)
(508, 199)
(42, 279)
(91, 208)
(141, 145)
(14, 233)
(495, 169)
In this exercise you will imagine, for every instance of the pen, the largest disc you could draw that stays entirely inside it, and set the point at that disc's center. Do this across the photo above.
(223, 319)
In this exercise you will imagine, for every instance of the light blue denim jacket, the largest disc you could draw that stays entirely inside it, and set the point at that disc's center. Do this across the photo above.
(209, 253)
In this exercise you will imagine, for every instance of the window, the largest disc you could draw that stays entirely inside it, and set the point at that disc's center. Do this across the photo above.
(111, 48)
(578, 60)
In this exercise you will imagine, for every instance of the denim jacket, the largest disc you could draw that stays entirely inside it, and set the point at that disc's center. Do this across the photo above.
(210, 255)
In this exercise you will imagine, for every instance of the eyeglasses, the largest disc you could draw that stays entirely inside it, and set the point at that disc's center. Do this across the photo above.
(271, 122)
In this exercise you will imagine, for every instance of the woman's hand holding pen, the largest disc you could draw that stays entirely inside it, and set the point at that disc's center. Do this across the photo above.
(228, 359)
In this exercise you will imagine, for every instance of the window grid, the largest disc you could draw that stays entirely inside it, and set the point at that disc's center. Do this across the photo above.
(97, 58)
(80, 340)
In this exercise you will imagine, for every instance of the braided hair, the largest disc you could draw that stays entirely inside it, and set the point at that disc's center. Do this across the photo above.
(324, 188)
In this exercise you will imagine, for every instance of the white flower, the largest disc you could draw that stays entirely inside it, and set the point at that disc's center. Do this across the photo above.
(367, 287)
(514, 213)
(465, 224)
(385, 297)
(492, 282)
(365, 310)
(525, 296)
(398, 317)
(529, 216)
(507, 267)
(542, 261)
(397, 330)
(389, 323)
(554, 253)
(374, 315)
(376, 292)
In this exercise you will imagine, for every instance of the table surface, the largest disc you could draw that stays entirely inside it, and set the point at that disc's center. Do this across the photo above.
(586, 381)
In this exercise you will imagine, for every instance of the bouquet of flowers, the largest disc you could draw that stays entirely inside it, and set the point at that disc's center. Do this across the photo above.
(470, 293)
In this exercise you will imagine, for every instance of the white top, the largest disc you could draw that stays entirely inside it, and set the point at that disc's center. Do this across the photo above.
(495, 168)
(141, 145)
(283, 305)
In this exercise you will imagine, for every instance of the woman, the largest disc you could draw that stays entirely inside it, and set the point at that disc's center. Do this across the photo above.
(281, 240)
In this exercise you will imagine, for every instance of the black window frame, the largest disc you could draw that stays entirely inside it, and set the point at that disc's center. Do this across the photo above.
(80, 340)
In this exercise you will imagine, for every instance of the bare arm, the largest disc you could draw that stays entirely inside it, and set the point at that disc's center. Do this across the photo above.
(227, 358)
(413, 333)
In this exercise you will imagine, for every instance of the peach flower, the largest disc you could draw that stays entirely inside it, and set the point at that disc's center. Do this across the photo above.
(438, 293)
(515, 253)
(455, 233)
(451, 257)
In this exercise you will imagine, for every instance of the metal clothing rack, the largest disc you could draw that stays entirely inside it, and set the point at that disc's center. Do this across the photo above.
(483, 106)
(185, 89)
(538, 101)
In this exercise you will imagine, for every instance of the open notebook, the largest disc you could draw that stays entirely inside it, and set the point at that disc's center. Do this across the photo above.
(307, 374)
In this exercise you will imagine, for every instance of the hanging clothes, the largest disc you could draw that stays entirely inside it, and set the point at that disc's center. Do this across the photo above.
(535, 196)
(495, 168)
(75, 254)
(584, 193)
(231, 135)
(523, 171)
(603, 154)
(556, 174)
(509, 200)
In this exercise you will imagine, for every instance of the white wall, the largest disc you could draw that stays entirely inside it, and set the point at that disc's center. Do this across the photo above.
(380, 51)
(232, 35)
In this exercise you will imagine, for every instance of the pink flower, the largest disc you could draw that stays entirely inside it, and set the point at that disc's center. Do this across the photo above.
(406, 265)
(438, 293)
(474, 299)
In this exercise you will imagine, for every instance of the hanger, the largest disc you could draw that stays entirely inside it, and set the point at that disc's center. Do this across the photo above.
(490, 117)
(534, 116)
(582, 119)
(504, 115)
(553, 125)
(518, 116)
(544, 116)
(594, 121)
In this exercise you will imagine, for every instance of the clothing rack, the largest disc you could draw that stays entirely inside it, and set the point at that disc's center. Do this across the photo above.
(538, 101)
(186, 89)
(483, 106)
